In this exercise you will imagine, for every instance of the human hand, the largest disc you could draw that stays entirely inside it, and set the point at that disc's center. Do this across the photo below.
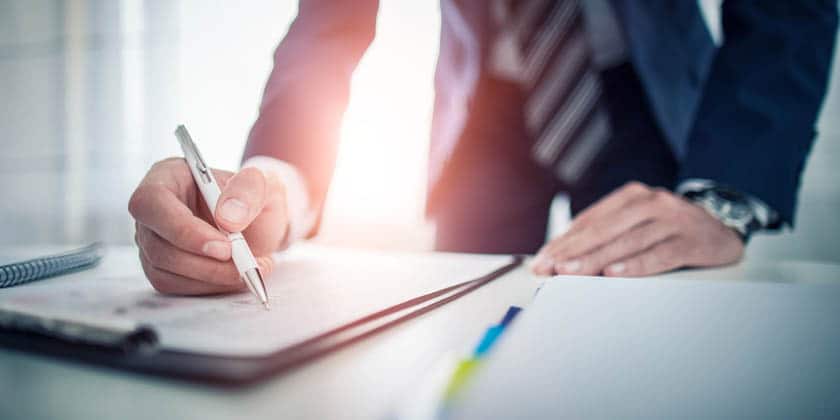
(180, 249)
(638, 231)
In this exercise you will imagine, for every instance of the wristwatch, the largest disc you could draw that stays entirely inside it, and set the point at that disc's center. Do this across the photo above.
(732, 209)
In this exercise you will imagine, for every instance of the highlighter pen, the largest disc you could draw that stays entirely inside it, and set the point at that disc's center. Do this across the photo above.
(241, 253)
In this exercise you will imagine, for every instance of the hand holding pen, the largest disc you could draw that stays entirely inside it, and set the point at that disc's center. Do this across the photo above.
(181, 249)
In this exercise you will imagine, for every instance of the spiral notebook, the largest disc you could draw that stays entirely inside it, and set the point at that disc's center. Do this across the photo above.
(20, 269)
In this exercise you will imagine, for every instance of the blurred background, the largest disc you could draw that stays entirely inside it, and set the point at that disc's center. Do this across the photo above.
(91, 91)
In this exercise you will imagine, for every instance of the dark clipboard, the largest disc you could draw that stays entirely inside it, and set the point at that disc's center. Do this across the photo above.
(238, 371)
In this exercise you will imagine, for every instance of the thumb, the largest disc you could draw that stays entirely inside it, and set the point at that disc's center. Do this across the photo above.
(241, 201)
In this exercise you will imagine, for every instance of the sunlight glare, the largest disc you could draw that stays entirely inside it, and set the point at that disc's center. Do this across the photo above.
(380, 175)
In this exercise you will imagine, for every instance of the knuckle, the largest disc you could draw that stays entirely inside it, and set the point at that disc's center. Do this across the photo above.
(142, 198)
(636, 187)
(137, 201)
(660, 202)
(661, 194)
(665, 197)
(165, 164)
(159, 164)
(171, 162)
(173, 166)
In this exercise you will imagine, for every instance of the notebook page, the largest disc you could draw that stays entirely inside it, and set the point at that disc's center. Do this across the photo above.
(313, 289)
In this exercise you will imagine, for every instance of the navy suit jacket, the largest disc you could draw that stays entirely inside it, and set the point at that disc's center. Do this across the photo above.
(742, 115)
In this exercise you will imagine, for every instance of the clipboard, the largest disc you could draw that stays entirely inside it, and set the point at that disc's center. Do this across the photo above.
(238, 371)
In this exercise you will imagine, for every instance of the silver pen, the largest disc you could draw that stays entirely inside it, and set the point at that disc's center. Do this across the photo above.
(241, 253)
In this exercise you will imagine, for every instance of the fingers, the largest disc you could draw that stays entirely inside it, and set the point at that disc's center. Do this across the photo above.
(255, 203)
(172, 271)
(180, 249)
(174, 284)
(631, 243)
(158, 208)
(664, 256)
(578, 239)
(165, 256)
(598, 233)
(267, 232)
(241, 201)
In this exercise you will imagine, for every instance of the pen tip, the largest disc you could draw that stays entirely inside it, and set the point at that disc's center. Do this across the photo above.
(265, 305)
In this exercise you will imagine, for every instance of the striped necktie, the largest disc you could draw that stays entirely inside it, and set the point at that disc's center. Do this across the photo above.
(564, 111)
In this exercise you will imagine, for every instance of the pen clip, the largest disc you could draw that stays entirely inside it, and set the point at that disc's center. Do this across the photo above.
(189, 148)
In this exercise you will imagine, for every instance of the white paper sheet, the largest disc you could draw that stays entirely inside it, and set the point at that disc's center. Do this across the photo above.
(313, 289)
(591, 347)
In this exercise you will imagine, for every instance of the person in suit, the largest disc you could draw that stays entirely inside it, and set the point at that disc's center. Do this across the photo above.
(673, 150)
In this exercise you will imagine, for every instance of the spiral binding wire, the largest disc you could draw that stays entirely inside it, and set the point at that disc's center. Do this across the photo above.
(48, 266)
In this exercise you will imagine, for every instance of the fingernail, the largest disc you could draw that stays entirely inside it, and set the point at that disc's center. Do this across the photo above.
(570, 266)
(234, 211)
(217, 249)
(617, 268)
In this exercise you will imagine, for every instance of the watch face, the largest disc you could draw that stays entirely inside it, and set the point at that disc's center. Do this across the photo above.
(732, 211)
(738, 211)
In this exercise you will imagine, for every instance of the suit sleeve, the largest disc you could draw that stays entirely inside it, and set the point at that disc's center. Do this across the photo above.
(309, 87)
(756, 120)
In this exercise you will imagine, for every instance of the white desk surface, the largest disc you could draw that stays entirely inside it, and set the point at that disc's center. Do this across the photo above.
(366, 380)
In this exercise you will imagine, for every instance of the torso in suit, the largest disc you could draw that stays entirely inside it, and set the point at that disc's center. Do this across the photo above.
(741, 115)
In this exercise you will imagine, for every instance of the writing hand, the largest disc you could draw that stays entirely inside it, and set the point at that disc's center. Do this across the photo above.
(181, 250)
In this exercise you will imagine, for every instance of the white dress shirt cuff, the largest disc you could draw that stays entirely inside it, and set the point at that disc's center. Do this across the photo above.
(301, 216)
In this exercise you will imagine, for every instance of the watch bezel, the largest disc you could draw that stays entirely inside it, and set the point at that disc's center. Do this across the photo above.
(714, 201)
